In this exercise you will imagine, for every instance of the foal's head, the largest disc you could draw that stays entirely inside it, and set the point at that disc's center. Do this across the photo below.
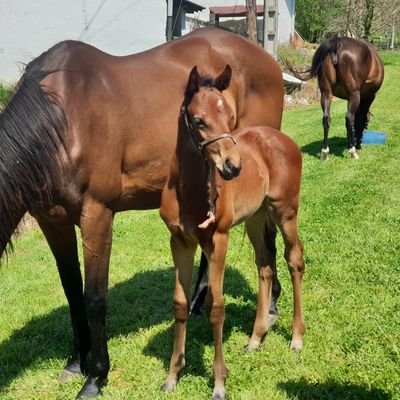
(209, 120)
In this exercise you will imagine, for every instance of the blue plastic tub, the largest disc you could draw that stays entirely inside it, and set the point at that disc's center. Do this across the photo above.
(372, 137)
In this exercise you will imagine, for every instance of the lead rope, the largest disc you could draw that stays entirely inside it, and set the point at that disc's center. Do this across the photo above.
(212, 197)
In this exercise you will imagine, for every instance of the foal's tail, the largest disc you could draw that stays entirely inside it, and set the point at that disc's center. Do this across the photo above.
(327, 48)
(32, 142)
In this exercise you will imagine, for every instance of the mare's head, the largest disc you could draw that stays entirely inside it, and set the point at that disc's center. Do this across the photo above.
(209, 121)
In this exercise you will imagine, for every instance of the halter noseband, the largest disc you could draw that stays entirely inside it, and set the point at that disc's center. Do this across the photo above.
(201, 145)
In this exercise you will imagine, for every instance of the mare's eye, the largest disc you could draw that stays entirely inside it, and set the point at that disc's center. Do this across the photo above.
(199, 122)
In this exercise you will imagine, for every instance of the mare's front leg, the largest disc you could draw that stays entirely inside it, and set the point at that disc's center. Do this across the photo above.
(262, 234)
(96, 228)
(326, 99)
(62, 242)
(183, 252)
(215, 308)
(352, 107)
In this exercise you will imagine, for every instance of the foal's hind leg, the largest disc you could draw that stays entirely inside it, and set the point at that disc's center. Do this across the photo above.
(262, 235)
(183, 254)
(201, 286)
(62, 241)
(287, 222)
(352, 108)
(326, 98)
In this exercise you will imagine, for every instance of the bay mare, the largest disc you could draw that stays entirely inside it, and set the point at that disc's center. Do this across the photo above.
(218, 180)
(87, 135)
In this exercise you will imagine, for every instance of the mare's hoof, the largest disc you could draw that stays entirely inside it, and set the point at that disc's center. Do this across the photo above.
(71, 371)
(168, 386)
(324, 154)
(353, 153)
(296, 345)
(91, 388)
(219, 394)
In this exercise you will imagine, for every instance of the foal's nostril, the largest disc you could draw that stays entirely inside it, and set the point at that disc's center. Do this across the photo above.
(230, 169)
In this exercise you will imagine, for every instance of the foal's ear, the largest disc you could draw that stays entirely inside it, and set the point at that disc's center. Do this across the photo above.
(193, 82)
(223, 81)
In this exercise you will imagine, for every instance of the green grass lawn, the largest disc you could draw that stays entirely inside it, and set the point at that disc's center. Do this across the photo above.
(350, 227)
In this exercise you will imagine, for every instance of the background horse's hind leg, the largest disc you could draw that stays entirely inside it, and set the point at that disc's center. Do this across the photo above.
(326, 98)
(62, 242)
(96, 228)
(262, 234)
(362, 119)
(352, 108)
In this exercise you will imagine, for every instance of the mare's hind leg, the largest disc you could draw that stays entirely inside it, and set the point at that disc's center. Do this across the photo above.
(326, 98)
(183, 254)
(362, 119)
(262, 234)
(352, 108)
(62, 242)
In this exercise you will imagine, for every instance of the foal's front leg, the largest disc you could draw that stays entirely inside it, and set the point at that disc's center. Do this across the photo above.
(183, 252)
(215, 309)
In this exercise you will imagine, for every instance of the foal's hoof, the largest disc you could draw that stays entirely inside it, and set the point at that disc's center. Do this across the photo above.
(219, 394)
(272, 318)
(71, 371)
(252, 346)
(91, 388)
(168, 386)
(296, 345)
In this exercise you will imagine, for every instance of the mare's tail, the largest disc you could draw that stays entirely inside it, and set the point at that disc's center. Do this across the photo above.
(32, 143)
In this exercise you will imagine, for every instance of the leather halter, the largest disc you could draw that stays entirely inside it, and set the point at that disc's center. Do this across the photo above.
(201, 145)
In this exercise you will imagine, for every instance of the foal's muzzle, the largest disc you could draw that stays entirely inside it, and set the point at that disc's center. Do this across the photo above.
(229, 170)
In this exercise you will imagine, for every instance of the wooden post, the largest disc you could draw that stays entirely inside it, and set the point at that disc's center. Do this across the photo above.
(251, 17)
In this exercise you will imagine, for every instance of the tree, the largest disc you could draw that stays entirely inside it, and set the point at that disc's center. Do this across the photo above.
(313, 17)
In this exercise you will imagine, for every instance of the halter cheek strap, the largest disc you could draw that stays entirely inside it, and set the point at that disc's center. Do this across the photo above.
(203, 144)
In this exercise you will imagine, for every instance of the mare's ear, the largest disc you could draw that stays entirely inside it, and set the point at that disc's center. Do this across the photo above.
(193, 83)
(223, 81)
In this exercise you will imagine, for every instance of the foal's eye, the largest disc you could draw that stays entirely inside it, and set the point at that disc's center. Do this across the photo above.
(199, 122)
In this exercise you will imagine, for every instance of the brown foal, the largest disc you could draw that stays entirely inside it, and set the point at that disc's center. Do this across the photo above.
(217, 180)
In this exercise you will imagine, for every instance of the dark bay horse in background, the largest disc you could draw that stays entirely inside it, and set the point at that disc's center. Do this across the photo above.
(87, 134)
(352, 70)
(218, 180)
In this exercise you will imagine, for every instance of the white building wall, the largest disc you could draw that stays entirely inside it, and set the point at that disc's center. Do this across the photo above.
(29, 27)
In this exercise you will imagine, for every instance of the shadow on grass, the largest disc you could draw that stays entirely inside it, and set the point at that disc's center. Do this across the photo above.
(141, 302)
(337, 146)
(330, 390)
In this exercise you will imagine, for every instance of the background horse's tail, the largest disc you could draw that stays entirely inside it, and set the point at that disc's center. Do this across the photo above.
(32, 145)
(327, 48)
